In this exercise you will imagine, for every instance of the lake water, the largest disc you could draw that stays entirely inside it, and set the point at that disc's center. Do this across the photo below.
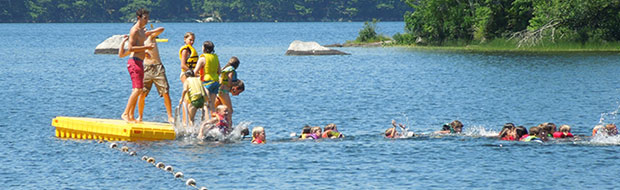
(50, 70)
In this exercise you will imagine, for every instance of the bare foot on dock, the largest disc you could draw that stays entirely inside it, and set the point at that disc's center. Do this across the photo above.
(171, 120)
(128, 119)
(139, 120)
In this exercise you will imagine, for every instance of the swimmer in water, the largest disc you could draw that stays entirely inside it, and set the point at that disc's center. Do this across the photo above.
(453, 127)
(563, 133)
(548, 128)
(611, 129)
(305, 132)
(521, 133)
(393, 133)
(218, 122)
(258, 135)
(315, 132)
(533, 136)
(508, 132)
(331, 131)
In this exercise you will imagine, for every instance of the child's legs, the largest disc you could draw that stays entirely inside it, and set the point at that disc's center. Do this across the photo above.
(224, 97)
(211, 105)
(191, 113)
(211, 88)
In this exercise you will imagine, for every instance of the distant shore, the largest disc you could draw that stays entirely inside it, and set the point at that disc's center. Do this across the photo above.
(502, 45)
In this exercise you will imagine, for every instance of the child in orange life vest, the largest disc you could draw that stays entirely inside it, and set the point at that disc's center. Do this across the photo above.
(331, 131)
(218, 122)
(258, 135)
(563, 133)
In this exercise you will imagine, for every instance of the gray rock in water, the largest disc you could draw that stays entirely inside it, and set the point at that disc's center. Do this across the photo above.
(311, 48)
(110, 45)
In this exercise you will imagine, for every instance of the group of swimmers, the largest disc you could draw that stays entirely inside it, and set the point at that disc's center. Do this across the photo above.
(547, 131)
(510, 132)
(205, 85)
(330, 132)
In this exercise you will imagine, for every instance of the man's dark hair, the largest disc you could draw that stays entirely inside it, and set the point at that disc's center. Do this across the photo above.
(141, 12)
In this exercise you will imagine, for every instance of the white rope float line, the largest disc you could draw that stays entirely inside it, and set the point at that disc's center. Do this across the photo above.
(189, 182)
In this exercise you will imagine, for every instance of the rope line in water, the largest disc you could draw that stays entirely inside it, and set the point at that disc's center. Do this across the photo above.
(178, 175)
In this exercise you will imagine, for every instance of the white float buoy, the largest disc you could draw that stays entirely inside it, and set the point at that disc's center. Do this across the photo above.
(168, 168)
(125, 149)
(178, 175)
(132, 153)
(150, 160)
(203, 188)
(113, 145)
(190, 182)
(160, 165)
(145, 158)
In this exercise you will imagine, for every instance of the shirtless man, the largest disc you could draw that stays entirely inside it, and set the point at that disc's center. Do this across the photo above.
(154, 72)
(137, 35)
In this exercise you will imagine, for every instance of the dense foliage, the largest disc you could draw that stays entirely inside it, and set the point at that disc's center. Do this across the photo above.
(369, 33)
(191, 10)
(527, 21)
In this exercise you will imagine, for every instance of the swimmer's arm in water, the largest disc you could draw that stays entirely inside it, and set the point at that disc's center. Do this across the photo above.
(210, 122)
(399, 125)
(121, 51)
(155, 32)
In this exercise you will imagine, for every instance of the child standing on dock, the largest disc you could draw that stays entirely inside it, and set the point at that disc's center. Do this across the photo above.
(209, 64)
(228, 79)
(192, 93)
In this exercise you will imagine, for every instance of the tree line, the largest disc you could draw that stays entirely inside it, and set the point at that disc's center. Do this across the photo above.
(529, 22)
(43, 11)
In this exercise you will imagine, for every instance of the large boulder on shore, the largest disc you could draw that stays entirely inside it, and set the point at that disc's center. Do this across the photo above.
(110, 45)
(311, 48)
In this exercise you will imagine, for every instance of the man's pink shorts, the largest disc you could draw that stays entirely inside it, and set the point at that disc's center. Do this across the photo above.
(136, 71)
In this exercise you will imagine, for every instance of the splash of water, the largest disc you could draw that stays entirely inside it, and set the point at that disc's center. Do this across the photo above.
(405, 133)
(610, 116)
(601, 139)
(479, 131)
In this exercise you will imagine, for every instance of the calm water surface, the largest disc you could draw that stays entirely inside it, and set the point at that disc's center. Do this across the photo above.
(50, 70)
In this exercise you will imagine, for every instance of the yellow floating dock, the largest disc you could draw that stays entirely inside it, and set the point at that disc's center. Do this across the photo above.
(111, 129)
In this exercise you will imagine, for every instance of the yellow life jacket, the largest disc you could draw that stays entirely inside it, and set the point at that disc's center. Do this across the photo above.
(224, 75)
(195, 89)
(212, 64)
(304, 136)
(191, 60)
